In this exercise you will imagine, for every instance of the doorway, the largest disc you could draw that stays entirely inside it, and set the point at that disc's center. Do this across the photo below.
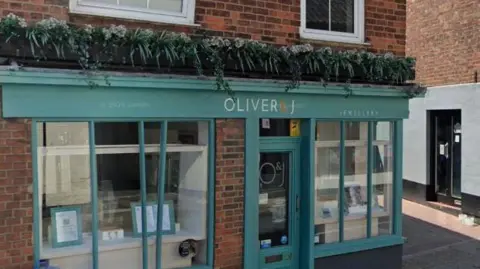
(278, 203)
(446, 155)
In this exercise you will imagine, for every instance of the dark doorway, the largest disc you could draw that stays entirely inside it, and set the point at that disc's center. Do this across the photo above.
(445, 139)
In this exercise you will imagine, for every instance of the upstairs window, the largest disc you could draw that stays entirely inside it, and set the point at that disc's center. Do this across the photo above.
(333, 20)
(167, 11)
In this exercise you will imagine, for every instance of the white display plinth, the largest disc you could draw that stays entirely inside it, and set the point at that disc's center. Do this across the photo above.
(127, 252)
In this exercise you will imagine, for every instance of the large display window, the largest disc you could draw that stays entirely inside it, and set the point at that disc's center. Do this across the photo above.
(122, 160)
(353, 180)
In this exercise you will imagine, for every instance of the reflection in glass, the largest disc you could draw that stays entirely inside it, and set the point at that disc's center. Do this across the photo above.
(342, 16)
(356, 153)
(330, 15)
(318, 14)
(64, 176)
(133, 3)
(274, 199)
(166, 5)
(382, 179)
(327, 179)
(186, 185)
(457, 157)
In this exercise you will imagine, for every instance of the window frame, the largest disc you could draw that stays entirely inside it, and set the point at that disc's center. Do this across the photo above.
(357, 37)
(142, 148)
(370, 242)
(186, 17)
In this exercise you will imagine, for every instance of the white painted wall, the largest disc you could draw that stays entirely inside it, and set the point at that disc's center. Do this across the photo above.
(465, 97)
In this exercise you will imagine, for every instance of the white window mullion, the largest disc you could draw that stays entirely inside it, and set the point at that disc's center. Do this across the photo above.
(148, 4)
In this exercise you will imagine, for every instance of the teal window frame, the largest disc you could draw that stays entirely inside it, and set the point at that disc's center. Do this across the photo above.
(161, 177)
(370, 242)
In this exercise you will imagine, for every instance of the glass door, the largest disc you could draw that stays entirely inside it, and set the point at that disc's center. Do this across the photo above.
(447, 135)
(278, 204)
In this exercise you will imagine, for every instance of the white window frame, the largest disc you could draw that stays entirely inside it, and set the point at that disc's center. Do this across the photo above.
(357, 37)
(186, 17)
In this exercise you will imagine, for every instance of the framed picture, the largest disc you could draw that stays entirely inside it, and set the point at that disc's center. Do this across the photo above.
(66, 226)
(168, 220)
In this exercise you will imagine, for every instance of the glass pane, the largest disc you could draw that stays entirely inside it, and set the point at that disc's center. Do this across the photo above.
(317, 14)
(274, 127)
(118, 175)
(457, 157)
(327, 177)
(166, 5)
(186, 189)
(111, 2)
(382, 179)
(342, 16)
(356, 136)
(273, 199)
(64, 177)
(134, 3)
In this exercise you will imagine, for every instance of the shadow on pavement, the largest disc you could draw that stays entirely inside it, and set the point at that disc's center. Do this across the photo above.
(430, 246)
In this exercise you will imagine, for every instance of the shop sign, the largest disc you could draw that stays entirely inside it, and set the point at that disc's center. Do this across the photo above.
(359, 113)
(264, 105)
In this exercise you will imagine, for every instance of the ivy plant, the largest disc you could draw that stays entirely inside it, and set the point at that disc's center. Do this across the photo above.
(95, 48)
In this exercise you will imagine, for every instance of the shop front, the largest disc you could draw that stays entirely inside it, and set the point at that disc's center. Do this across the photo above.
(173, 174)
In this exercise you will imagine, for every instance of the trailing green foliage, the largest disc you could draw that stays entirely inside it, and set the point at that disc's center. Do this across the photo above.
(96, 47)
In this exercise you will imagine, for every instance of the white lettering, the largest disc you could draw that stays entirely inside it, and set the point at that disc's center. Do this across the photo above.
(273, 105)
(264, 105)
(255, 104)
(229, 104)
(239, 109)
(259, 105)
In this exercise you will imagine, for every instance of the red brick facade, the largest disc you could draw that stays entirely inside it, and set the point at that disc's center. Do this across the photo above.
(16, 231)
(274, 21)
(230, 148)
(444, 36)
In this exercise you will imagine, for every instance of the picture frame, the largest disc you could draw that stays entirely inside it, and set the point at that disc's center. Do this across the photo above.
(66, 226)
(151, 208)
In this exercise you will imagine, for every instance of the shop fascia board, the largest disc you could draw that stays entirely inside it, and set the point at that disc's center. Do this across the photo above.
(62, 77)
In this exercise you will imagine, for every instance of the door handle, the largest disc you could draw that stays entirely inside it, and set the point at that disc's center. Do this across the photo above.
(298, 204)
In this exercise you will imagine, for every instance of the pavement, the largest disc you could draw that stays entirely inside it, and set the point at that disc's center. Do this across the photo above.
(437, 240)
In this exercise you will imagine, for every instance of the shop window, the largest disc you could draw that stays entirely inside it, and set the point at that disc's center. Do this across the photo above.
(169, 11)
(329, 20)
(64, 173)
(382, 178)
(355, 181)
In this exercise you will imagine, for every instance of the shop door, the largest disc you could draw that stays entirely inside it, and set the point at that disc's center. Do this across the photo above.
(447, 141)
(278, 203)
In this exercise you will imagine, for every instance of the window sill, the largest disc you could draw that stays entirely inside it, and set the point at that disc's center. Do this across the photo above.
(321, 251)
(104, 246)
(322, 37)
(131, 15)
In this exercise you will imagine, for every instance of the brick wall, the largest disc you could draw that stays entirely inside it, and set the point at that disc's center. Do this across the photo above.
(230, 148)
(16, 248)
(275, 21)
(444, 36)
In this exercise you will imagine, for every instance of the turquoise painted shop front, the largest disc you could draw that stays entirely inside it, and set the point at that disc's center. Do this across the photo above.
(57, 96)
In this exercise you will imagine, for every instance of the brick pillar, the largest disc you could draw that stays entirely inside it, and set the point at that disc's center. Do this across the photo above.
(230, 148)
(16, 204)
